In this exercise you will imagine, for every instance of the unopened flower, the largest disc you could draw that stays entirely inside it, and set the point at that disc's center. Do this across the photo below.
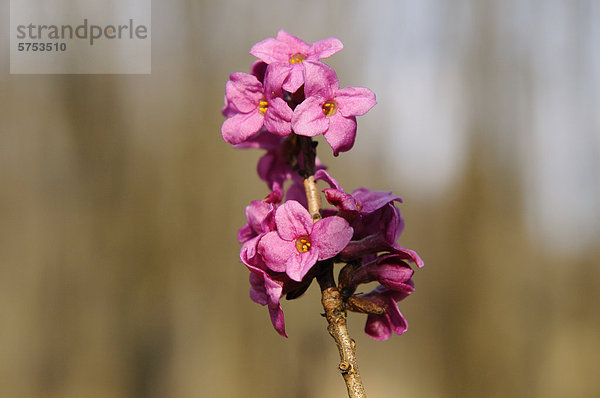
(381, 327)
(299, 243)
(329, 110)
(362, 200)
(389, 270)
(376, 243)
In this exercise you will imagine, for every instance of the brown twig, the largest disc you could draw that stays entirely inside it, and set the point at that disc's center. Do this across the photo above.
(335, 313)
(333, 302)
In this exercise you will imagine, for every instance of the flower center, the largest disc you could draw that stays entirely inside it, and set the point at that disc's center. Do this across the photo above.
(330, 108)
(297, 58)
(303, 244)
(262, 106)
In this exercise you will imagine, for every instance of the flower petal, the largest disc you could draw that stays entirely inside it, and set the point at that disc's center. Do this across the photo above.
(325, 176)
(264, 290)
(341, 133)
(263, 140)
(295, 44)
(278, 117)
(276, 314)
(309, 119)
(340, 199)
(258, 293)
(373, 200)
(319, 79)
(295, 79)
(297, 192)
(243, 91)
(248, 253)
(293, 221)
(378, 327)
(271, 50)
(299, 264)
(245, 233)
(258, 69)
(395, 317)
(275, 251)
(330, 235)
(408, 254)
(275, 75)
(260, 216)
(324, 48)
(242, 126)
(354, 101)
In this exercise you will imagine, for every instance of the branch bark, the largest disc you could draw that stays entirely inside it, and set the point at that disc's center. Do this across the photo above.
(335, 313)
(331, 298)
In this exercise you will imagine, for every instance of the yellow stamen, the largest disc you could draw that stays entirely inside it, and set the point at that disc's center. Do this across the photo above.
(262, 106)
(303, 244)
(297, 58)
(329, 108)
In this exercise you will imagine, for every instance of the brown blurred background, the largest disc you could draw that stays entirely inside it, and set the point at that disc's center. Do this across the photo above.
(119, 206)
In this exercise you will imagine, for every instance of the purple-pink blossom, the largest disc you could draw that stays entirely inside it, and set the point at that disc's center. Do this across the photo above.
(289, 55)
(381, 327)
(329, 110)
(249, 106)
(266, 290)
(299, 243)
(288, 97)
(389, 270)
(261, 219)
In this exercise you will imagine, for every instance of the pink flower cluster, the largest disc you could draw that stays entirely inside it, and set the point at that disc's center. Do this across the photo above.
(290, 68)
(289, 97)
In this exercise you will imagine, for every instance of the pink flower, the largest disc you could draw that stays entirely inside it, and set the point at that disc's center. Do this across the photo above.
(362, 200)
(288, 54)
(389, 270)
(266, 290)
(329, 110)
(249, 106)
(261, 219)
(381, 327)
(376, 243)
(299, 243)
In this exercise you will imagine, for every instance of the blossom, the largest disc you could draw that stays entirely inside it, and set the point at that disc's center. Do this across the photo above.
(380, 327)
(389, 270)
(289, 54)
(362, 200)
(373, 244)
(329, 110)
(266, 290)
(249, 106)
(298, 243)
(261, 219)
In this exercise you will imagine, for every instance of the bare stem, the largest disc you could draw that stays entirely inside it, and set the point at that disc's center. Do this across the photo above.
(331, 298)
(313, 196)
(335, 313)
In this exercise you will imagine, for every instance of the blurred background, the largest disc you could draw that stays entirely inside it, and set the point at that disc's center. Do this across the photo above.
(120, 203)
